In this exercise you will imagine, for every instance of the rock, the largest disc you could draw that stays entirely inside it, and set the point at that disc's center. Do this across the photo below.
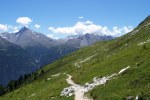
(130, 98)
(137, 97)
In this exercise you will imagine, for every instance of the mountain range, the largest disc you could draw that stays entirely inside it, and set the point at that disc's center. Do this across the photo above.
(117, 69)
(37, 49)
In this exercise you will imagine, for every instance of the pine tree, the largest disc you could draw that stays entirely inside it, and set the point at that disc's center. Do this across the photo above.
(11, 85)
(42, 71)
(1, 90)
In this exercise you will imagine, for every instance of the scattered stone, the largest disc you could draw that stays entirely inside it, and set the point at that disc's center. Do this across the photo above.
(56, 75)
(79, 91)
(137, 97)
(121, 71)
(48, 79)
(142, 43)
(32, 95)
(130, 98)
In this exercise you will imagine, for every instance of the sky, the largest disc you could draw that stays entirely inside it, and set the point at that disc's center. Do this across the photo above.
(61, 18)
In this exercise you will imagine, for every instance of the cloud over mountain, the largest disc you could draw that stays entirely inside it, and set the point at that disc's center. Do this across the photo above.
(37, 26)
(24, 21)
(90, 27)
(52, 36)
(3, 27)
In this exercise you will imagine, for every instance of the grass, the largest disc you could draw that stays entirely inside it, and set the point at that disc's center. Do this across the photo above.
(111, 56)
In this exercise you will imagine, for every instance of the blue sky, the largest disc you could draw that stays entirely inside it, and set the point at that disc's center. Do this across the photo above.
(55, 17)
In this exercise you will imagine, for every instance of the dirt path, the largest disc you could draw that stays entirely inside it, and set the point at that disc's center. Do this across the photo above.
(79, 90)
(82, 61)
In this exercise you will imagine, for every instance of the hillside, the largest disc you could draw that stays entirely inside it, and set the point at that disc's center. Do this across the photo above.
(122, 64)
(39, 49)
(14, 61)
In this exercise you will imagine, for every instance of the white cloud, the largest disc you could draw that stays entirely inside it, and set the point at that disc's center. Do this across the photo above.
(52, 36)
(24, 21)
(127, 29)
(13, 29)
(90, 27)
(80, 17)
(51, 28)
(3, 27)
(37, 26)
(116, 31)
(9, 28)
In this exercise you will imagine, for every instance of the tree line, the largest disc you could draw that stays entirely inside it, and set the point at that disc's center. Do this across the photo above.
(23, 80)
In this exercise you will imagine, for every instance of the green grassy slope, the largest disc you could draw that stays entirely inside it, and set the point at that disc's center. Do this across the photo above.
(109, 57)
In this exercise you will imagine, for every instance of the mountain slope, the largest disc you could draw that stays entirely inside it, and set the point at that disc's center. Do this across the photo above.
(45, 50)
(36, 44)
(28, 38)
(86, 40)
(10, 53)
(98, 60)
(37, 47)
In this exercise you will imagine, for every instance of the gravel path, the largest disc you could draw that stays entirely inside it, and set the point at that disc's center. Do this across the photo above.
(79, 91)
